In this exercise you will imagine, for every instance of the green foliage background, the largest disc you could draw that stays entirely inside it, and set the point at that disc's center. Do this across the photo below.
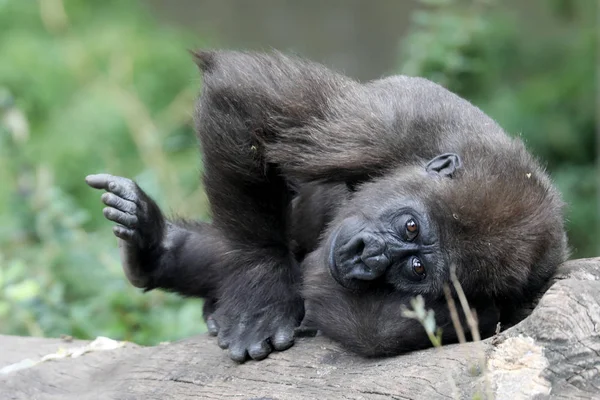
(100, 86)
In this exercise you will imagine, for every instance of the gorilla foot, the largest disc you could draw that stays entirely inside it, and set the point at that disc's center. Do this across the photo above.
(256, 332)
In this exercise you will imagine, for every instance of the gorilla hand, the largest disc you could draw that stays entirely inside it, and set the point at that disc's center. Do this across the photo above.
(140, 224)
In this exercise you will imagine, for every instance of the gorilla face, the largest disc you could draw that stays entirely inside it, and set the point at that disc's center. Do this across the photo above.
(397, 247)
(392, 242)
(364, 250)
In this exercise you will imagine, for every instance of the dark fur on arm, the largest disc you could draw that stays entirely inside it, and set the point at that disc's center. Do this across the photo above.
(189, 262)
(316, 124)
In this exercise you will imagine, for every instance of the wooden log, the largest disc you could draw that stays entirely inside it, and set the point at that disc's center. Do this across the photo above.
(552, 353)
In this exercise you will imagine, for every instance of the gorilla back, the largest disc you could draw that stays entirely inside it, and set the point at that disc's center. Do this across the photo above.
(335, 203)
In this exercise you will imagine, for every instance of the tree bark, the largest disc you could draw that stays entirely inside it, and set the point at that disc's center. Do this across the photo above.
(553, 353)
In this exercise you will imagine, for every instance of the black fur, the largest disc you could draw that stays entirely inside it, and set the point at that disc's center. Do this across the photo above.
(348, 199)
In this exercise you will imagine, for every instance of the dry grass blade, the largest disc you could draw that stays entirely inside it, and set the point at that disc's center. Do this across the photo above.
(469, 314)
(454, 315)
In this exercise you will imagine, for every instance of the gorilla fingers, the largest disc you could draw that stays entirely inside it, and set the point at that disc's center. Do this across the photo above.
(140, 224)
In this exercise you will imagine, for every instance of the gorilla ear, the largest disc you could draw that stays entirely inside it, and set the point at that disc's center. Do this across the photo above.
(444, 165)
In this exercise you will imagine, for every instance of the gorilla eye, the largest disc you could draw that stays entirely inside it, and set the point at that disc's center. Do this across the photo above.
(412, 229)
(418, 267)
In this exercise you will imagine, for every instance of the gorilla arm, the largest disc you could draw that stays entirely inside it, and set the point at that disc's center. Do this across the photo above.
(157, 253)
(316, 124)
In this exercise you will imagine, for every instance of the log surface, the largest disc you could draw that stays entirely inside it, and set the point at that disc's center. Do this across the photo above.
(553, 353)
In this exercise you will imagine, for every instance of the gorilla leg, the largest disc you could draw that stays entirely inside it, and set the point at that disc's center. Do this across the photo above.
(259, 304)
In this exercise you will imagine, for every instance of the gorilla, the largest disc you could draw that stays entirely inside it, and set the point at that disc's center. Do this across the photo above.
(334, 203)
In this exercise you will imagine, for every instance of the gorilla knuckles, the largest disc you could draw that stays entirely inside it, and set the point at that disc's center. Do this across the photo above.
(356, 197)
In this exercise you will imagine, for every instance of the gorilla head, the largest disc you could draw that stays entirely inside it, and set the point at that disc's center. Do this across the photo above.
(493, 216)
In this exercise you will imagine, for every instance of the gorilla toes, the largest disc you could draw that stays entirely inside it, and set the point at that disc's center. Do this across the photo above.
(283, 338)
(257, 338)
(259, 351)
(124, 188)
(140, 225)
(208, 309)
(212, 326)
(257, 346)
(120, 217)
(112, 200)
(223, 342)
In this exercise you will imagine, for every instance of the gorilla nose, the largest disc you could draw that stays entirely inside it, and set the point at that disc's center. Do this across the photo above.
(363, 257)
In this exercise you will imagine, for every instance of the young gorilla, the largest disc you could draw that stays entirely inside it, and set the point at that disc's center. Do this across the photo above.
(338, 202)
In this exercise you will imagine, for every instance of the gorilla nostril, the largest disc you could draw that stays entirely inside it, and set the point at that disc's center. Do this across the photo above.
(360, 248)
(354, 247)
(357, 254)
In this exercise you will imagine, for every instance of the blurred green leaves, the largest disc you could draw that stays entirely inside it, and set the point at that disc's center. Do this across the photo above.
(89, 87)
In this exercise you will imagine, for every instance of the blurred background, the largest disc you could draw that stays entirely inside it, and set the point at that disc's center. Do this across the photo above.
(90, 86)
